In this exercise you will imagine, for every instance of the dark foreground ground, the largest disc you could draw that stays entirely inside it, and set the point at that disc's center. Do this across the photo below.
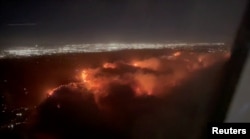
(184, 83)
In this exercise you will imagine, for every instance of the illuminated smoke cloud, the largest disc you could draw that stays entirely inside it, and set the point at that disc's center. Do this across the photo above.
(112, 98)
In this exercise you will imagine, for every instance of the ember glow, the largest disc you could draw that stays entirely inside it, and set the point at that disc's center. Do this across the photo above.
(109, 65)
(151, 63)
(177, 53)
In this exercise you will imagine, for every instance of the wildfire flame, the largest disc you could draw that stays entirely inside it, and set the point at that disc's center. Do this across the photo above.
(50, 92)
(84, 76)
(109, 65)
(151, 63)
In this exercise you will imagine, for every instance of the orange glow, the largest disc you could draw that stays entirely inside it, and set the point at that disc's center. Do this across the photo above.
(109, 65)
(138, 90)
(177, 54)
(135, 64)
(84, 76)
(146, 82)
(151, 63)
(89, 80)
(50, 92)
(200, 59)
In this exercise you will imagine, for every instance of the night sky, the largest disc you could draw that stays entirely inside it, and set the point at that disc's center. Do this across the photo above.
(49, 22)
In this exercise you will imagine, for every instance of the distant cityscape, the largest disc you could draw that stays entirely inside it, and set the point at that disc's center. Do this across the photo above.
(36, 50)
